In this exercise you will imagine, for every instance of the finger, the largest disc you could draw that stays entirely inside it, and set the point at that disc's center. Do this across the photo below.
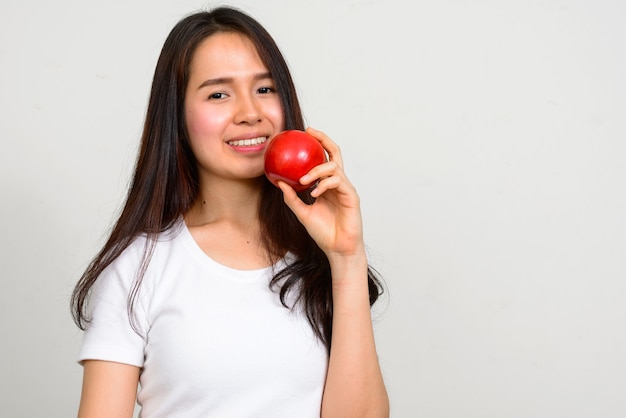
(321, 171)
(338, 182)
(326, 184)
(333, 150)
(291, 198)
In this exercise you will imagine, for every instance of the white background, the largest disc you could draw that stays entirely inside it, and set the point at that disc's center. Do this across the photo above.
(487, 141)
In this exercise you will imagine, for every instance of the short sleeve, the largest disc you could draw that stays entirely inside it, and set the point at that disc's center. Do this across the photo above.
(109, 335)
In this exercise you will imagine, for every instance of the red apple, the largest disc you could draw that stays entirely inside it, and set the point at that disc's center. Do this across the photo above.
(290, 155)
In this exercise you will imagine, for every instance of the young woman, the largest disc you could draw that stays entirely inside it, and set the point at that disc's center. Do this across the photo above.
(217, 293)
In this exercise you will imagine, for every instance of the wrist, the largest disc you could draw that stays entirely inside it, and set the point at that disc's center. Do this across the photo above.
(349, 271)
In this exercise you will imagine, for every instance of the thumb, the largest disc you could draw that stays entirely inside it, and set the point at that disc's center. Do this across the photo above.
(291, 198)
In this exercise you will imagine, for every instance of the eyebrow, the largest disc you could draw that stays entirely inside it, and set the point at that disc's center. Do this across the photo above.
(228, 80)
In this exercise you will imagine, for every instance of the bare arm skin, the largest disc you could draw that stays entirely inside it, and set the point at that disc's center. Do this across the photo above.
(354, 384)
(109, 390)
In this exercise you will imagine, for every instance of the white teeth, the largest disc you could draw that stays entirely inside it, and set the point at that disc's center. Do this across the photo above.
(248, 142)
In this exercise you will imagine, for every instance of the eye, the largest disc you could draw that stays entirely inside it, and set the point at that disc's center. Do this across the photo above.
(266, 90)
(217, 96)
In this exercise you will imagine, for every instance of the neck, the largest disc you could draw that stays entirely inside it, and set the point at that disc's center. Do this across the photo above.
(222, 200)
(225, 224)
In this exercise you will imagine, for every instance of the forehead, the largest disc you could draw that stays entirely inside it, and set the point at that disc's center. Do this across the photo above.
(226, 52)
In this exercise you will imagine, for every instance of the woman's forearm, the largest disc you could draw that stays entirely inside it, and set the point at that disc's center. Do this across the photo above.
(354, 385)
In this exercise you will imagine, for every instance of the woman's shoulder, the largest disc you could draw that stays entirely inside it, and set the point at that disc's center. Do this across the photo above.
(146, 249)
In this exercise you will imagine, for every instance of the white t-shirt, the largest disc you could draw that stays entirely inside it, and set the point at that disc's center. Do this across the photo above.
(213, 341)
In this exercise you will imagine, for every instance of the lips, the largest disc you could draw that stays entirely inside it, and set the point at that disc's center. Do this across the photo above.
(250, 142)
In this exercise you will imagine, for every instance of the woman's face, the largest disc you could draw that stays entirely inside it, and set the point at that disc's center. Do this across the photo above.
(231, 108)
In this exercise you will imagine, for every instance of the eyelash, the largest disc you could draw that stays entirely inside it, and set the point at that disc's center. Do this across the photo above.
(266, 90)
(260, 90)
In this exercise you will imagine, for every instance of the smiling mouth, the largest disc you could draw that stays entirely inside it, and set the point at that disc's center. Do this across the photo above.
(247, 142)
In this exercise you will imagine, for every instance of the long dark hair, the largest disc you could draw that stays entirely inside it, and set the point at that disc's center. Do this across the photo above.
(165, 182)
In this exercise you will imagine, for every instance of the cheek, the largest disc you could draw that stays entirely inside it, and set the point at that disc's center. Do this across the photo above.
(275, 114)
(202, 124)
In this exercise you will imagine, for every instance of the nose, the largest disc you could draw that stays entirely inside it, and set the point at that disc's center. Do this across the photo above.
(248, 110)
